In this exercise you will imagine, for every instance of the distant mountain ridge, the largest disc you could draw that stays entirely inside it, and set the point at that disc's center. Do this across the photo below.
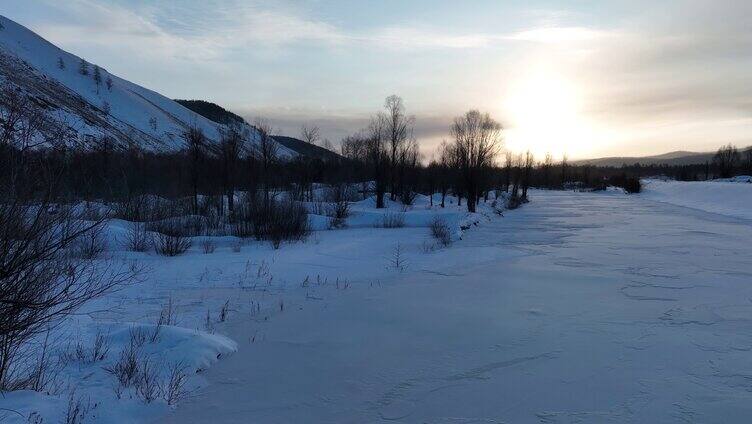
(307, 149)
(678, 157)
(221, 115)
(213, 112)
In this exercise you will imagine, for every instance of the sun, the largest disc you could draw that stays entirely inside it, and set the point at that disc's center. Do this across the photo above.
(543, 111)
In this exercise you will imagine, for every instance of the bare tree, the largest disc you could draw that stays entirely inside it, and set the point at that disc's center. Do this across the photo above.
(266, 150)
(231, 148)
(447, 161)
(97, 77)
(477, 138)
(24, 126)
(195, 144)
(369, 148)
(527, 168)
(397, 129)
(60, 63)
(83, 67)
(377, 156)
(310, 134)
(327, 144)
(546, 166)
(108, 83)
(508, 159)
(726, 158)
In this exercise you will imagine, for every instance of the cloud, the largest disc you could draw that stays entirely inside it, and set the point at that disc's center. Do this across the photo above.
(207, 32)
(558, 35)
(644, 65)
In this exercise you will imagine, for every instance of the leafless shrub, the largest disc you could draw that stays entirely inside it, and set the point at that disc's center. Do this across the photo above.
(289, 221)
(137, 337)
(40, 281)
(169, 239)
(339, 212)
(90, 244)
(393, 220)
(43, 375)
(146, 208)
(271, 219)
(147, 381)
(214, 223)
(236, 246)
(98, 350)
(78, 409)
(173, 389)
(407, 197)
(223, 311)
(126, 368)
(93, 212)
(209, 246)
(440, 231)
(319, 208)
(398, 262)
(137, 238)
(167, 316)
(428, 247)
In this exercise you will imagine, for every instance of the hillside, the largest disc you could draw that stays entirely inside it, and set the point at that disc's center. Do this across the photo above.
(65, 86)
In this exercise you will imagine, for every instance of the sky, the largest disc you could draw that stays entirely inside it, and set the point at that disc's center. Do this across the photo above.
(582, 78)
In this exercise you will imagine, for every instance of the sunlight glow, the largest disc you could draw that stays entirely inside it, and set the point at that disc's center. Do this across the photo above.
(543, 112)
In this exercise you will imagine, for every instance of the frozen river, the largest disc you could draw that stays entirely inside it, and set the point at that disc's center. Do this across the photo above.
(597, 308)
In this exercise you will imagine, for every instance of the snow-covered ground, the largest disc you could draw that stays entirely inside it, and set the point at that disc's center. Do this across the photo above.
(246, 279)
(578, 307)
(731, 197)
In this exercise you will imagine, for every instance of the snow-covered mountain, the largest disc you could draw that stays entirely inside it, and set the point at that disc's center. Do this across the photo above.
(112, 106)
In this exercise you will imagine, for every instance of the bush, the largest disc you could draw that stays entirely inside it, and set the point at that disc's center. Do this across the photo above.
(629, 184)
(407, 197)
(169, 239)
(632, 185)
(274, 220)
(393, 220)
(440, 231)
(209, 246)
(288, 220)
(251, 216)
(146, 208)
(339, 212)
(137, 238)
(91, 243)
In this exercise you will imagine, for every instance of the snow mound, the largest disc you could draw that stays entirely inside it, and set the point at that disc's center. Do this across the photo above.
(87, 381)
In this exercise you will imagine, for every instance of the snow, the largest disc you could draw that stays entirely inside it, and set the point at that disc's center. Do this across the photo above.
(132, 108)
(730, 197)
(252, 278)
(595, 308)
(578, 307)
